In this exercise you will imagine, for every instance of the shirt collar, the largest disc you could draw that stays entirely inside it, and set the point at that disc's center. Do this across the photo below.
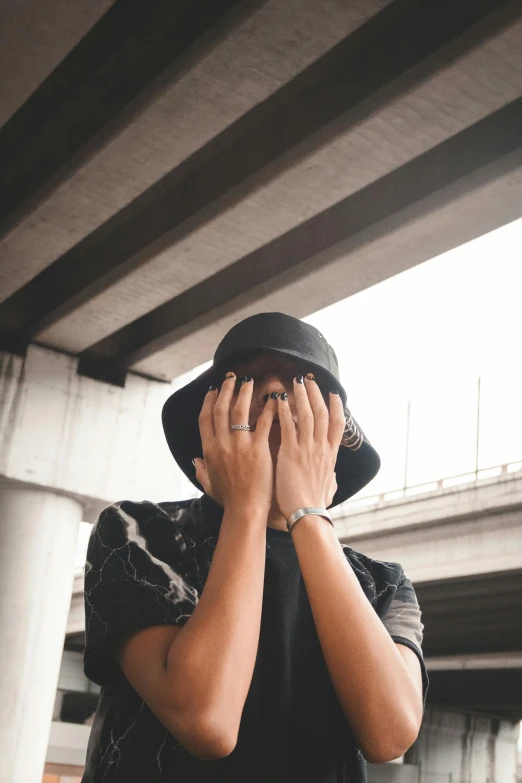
(211, 508)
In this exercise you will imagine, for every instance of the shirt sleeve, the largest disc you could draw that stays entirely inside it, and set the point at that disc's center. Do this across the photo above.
(128, 586)
(402, 619)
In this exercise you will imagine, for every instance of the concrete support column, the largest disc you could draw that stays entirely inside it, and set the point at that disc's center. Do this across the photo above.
(465, 747)
(38, 536)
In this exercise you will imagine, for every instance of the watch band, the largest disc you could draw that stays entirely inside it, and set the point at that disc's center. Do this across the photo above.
(301, 512)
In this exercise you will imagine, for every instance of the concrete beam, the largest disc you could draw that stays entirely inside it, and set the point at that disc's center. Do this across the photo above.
(297, 119)
(491, 692)
(482, 521)
(82, 101)
(36, 36)
(500, 660)
(461, 164)
(80, 437)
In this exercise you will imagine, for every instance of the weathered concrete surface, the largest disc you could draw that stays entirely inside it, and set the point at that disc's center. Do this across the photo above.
(474, 749)
(370, 256)
(268, 49)
(401, 131)
(35, 36)
(473, 77)
(69, 433)
(39, 529)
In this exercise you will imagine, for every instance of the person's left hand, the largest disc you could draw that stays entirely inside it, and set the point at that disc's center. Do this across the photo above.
(304, 474)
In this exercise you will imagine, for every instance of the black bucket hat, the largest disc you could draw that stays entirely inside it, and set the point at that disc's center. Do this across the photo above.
(357, 461)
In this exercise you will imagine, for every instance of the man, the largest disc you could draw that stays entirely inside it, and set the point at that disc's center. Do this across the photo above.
(234, 637)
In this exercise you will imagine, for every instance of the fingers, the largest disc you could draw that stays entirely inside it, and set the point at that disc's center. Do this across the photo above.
(264, 422)
(319, 408)
(206, 418)
(287, 423)
(222, 420)
(240, 413)
(305, 420)
(312, 413)
(316, 420)
(228, 412)
(337, 421)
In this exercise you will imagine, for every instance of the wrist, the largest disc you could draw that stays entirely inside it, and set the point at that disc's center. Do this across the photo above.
(314, 522)
(312, 513)
(297, 507)
(250, 512)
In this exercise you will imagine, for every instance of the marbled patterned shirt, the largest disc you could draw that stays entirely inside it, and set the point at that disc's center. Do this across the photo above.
(147, 565)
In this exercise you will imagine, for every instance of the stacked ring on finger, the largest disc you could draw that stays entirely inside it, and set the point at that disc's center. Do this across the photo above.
(244, 379)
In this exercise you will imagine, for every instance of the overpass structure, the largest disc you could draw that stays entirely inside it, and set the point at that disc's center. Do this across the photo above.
(170, 169)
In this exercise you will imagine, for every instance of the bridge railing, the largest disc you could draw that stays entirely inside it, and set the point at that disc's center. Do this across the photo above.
(381, 498)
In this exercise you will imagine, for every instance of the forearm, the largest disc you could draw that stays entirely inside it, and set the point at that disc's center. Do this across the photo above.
(213, 657)
(371, 680)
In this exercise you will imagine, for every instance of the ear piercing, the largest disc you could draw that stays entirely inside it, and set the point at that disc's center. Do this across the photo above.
(352, 436)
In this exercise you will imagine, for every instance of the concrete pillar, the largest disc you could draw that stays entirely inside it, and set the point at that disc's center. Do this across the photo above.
(465, 747)
(38, 536)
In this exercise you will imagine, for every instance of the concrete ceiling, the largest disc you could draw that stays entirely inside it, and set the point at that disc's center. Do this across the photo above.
(170, 169)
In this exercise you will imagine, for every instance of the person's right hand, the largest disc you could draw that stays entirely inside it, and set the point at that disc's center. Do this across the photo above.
(237, 468)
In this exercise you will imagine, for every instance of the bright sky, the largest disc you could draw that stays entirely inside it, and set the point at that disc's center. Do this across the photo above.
(427, 335)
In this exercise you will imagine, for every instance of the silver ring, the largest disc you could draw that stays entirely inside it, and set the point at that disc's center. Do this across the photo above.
(240, 427)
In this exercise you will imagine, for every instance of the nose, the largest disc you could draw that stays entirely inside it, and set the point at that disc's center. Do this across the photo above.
(273, 385)
(269, 385)
(266, 396)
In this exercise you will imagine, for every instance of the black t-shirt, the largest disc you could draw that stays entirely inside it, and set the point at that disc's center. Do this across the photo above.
(147, 564)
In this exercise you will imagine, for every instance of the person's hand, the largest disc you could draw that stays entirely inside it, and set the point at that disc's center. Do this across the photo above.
(237, 468)
(305, 467)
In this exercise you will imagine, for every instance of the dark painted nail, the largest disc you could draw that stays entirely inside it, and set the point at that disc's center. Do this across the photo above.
(310, 376)
(334, 391)
(211, 388)
(194, 463)
(284, 396)
(299, 378)
(245, 379)
(228, 375)
(273, 395)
